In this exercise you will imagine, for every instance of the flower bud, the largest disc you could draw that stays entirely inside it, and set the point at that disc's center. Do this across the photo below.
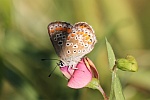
(127, 64)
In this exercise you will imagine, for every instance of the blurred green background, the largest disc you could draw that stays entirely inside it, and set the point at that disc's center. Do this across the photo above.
(24, 41)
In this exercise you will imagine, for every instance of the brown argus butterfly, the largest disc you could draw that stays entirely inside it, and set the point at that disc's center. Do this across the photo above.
(71, 42)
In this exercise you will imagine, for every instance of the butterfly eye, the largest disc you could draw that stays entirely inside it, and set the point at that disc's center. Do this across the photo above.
(61, 64)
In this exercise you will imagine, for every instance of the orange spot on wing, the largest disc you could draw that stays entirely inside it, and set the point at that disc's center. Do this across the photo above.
(52, 31)
(68, 38)
(68, 30)
(81, 33)
(87, 38)
(81, 26)
(89, 42)
(59, 29)
(85, 35)
(72, 35)
(64, 29)
(56, 29)
(78, 33)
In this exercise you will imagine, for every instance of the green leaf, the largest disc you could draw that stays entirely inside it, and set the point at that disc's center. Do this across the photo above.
(94, 83)
(111, 96)
(111, 56)
(116, 89)
(111, 61)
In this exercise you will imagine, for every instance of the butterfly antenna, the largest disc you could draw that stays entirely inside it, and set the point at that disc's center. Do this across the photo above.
(54, 68)
(48, 59)
(52, 71)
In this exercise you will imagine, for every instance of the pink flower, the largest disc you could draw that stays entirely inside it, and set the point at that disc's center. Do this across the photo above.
(79, 78)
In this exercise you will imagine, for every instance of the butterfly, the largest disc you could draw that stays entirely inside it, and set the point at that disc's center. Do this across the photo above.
(71, 42)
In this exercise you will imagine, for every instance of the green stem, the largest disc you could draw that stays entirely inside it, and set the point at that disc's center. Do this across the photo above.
(102, 92)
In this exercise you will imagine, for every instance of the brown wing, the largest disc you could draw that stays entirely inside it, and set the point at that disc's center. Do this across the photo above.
(58, 32)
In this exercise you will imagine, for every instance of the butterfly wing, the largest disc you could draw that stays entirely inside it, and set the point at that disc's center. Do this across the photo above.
(79, 42)
(58, 32)
(71, 43)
